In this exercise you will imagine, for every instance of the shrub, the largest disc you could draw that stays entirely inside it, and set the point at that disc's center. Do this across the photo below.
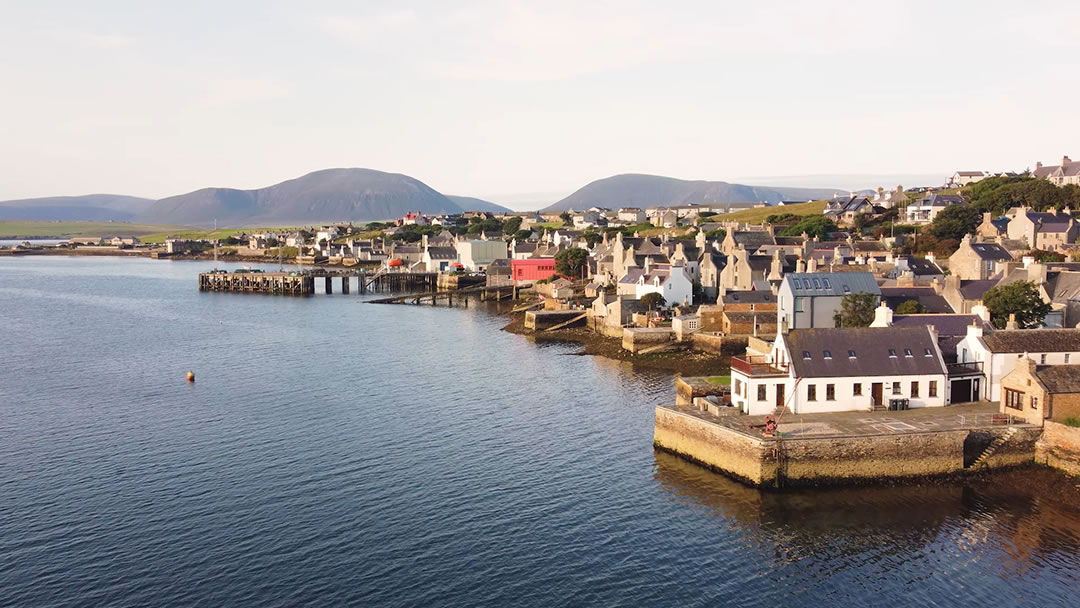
(1072, 421)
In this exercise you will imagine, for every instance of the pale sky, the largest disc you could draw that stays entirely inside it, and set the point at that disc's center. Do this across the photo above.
(495, 99)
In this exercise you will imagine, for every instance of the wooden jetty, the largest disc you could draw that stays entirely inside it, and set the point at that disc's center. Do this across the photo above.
(303, 283)
(485, 292)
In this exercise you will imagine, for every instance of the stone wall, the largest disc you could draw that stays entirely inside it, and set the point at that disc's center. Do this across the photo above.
(769, 462)
(635, 339)
(1059, 447)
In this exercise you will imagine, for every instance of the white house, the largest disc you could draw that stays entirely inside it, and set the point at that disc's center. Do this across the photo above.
(926, 209)
(438, 259)
(998, 352)
(631, 215)
(842, 369)
(963, 178)
(670, 281)
(810, 299)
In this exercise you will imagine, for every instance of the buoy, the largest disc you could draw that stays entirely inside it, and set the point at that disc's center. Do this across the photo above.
(191, 376)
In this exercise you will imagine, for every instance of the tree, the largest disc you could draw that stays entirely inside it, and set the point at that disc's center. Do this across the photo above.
(653, 300)
(569, 262)
(814, 225)
(1022, 299)
(523, 235)
(955, 221)
(592, 237)
(1041, 255)
(910, 307)
(856, 310)
(511, 225)
(719, 233)
(566, 217)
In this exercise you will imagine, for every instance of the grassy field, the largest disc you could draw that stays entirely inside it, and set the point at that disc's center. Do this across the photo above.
(758, 215)
(15, 229)
(186, 232)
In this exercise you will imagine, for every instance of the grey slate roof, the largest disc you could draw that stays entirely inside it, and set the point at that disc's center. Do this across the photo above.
(974, 290)
(748, 297)
(926, 296)
(946, 324)
(753, 239)
(442, 253)
(1033, 341)
(872, 356)
(1059, 378)
(832, 283)
(991, 251)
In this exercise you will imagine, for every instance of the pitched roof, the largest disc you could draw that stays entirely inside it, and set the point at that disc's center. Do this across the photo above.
(974, 290)
(831, 283)
(991, 251)
(1049, 222)
(922, 267)
(747, 316)
(753, 239)
(1059, 378)
(946, 324)
(748, 297)
(1033, 341)
(442, 253)
(930, 300)
(879, 351)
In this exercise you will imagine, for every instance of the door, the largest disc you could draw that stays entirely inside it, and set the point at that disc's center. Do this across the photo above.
(875, 392)
(779, 395)
(960, 391)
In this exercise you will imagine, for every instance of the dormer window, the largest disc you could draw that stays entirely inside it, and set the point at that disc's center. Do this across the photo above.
(907, 352)
(851, 354)
(847, 289)
(828, 354)
(825, 282)
(817, 284)
(927, 353)
(805, 354)
(892, 353)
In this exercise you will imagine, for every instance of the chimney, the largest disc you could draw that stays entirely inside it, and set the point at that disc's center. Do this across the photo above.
(981, 311)
(1038, 165)
(933, 333)
(811, 265)
(936, 285)
(974, 331)
(1065, 160)
(882, 316)
(800, 265)
(1012, 322)
(424, 242)
(1036, 272)
(776, 269)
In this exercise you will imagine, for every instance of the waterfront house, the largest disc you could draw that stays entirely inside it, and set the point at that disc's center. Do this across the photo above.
(810, 299)
(532, 269)
(1041, 392)
(999, 352)
(669, 280)
(476, 255)
(439, 259)
(841, 369)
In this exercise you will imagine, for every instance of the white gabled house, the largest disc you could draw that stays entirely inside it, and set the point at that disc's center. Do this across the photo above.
(842, 369)
(998, 352)
(668, 280)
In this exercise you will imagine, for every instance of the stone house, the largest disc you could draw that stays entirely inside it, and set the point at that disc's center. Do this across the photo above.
(1068, 172)
(999, 352)
(843, 369)
(974, 261)
(1047, 230)
(992, 227)
(1041, 392)
(742, 270)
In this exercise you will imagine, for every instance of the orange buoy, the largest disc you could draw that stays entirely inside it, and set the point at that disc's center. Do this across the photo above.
(191, 376)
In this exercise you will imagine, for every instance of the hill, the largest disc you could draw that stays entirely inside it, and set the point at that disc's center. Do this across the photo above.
(468, 203)
(85, 208)
(321, 196)
(758, 215)
(637, 190)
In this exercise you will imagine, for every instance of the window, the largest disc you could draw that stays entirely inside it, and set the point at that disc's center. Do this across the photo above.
(830, 392)
(896, 388)
(828, 354)
(761, 392)
(907, 352)
(851, 354)
(847, 289)
(796, 284)
(932, 390)
(1014, 399)
(817, 284)
(825, 282)
(914, 390)
(1034, 403)
(751, 307)
(811, 392)
(1066, 358)
(738, 387)
(892, 353)
(805, 354)
(926, 352)
(799, 304)
(1042, 359)
(856, 389)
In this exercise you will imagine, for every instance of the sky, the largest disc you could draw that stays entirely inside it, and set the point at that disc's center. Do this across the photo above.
(525, 100)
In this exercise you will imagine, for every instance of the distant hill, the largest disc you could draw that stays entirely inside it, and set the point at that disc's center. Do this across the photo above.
(86, 208)
(321, 196)
(468, 203)
(637, 190)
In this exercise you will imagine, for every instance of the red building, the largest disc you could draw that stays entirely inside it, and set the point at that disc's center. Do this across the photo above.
(533, 269)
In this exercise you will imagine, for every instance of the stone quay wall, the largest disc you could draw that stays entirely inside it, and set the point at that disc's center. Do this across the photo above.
(1059, 447)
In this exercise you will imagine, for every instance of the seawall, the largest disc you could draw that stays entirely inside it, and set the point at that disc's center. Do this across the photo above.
(1059, 447)
(836, 460)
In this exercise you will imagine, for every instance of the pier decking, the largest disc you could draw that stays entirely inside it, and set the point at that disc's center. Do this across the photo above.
(303, 283)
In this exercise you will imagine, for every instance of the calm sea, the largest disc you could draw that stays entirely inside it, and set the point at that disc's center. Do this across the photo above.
(336, 453)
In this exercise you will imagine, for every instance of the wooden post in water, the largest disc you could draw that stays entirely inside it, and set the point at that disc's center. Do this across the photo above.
(345, 284)
(329, 283)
